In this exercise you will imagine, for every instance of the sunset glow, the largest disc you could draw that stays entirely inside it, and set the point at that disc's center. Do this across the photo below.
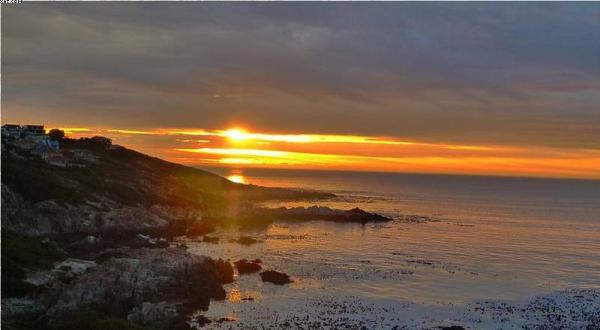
(292, 164)
(236, 134)
(389, 91)
(236, 178)
(239, 147)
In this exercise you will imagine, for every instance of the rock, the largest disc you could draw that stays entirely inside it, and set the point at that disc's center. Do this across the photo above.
(225, 271)
(101, 217)
(146, 241)
(199, 321)
(109, 254)
(64, 271)
(120, 286)
(266, 215)
(38, 219)
(22, 305)
(225, 319)
(200, 228)
(93, 240)
(245, 240)
(12, 205)
(247, 267)
(88, 246)
(275, 277)
(210, 239)
(131, 219)
(159, 315)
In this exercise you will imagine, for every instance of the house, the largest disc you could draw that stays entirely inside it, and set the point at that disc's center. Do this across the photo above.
(53, 144)
(32, 140)
(38, 139)
(33, 130)
(25, 145)
(12, 131)
(44, 144)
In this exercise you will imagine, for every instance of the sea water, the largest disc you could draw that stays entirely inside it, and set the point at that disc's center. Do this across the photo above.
(454, 241)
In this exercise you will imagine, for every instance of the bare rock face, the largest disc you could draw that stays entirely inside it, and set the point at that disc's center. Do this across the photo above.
(247, 267)
(145, 285)
(29, 219)
(11, 203)
(131, 219)
(49, 217)
(153, 314)
(176, 213)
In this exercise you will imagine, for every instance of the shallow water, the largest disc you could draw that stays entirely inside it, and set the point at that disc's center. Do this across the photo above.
(486, 239)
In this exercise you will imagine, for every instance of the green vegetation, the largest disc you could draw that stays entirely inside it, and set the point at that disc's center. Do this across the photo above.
(18, 254)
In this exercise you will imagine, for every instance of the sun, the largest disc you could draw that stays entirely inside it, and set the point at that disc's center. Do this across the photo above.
(236, 178)
(237, 134)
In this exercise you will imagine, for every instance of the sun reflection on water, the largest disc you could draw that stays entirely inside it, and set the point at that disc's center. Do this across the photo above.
(234, 295)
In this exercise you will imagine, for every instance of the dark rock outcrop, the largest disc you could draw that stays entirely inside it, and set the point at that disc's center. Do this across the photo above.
(210, 239)
(223, 269)
(275, 277)
(247, 267)
(263, 216)
(146, 286)
(245, 240)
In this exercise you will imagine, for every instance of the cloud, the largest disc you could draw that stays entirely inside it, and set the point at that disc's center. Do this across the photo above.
(467, 72)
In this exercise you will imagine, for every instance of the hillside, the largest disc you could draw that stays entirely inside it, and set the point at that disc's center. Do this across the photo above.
(91, 219)
(130, 178)
(120, 191)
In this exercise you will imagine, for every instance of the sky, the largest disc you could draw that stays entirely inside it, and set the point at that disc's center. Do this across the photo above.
(469, 88)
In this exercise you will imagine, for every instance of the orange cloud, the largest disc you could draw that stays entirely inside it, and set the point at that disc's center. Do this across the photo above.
(239, 147)
(553, 167)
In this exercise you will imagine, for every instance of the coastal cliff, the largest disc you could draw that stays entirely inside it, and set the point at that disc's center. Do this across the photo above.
(93, 246)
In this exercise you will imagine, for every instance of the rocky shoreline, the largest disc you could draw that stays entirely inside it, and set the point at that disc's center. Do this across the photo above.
(121, 262)
(94, 247)
(145, 286)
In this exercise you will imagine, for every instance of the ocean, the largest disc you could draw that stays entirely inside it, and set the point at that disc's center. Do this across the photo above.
(455, 241)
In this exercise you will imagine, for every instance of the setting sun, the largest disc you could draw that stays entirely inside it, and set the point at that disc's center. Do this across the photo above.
(236, 134)
(236, 178)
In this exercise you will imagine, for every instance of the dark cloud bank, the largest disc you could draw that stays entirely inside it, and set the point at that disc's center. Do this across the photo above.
(502, 73)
